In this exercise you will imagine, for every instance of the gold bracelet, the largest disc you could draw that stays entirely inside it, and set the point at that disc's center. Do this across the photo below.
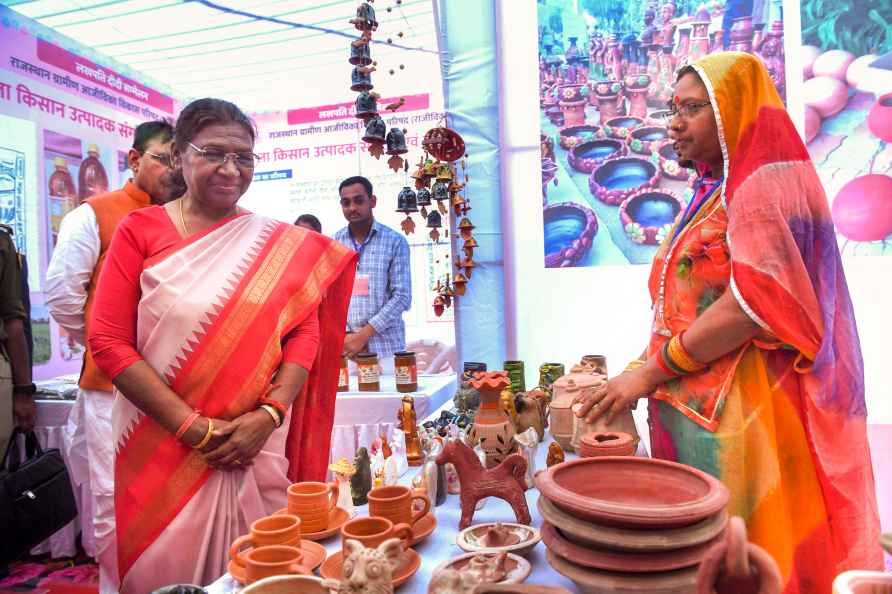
(277, 420)
(680, 356)
(634, 365)
(207, 436)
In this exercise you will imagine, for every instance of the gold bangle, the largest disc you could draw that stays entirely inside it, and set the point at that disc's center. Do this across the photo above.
(207, 436)
(277, 421)
(634, 365)
(680, 356)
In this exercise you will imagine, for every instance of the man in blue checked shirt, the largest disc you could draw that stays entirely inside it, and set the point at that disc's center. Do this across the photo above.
(382, 290)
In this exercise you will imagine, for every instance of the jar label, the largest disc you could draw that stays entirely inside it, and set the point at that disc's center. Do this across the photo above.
(342, 378)
(368, 374)
(406, 374)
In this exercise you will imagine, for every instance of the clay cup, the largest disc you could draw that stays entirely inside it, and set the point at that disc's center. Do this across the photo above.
(395, 503)
(312, 502)
(372, 531)
(271, 530)
(264, 562)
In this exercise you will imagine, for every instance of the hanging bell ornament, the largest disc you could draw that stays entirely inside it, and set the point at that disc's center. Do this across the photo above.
(459, 283)
(421, 180)
(444, 144)
(458, 203)
(406, 203)
(396, 146)
(440, 192)
(375, 129)
(424, 200)
(367, 105)
(434, 222)
(469, 246)
(361, 79)
(439, 306)
(365, 19)
(468, 265)
(360, 53)
(444, 172)
(465, 227)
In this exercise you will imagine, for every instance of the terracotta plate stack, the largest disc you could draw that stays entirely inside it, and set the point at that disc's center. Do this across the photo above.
(626, 524)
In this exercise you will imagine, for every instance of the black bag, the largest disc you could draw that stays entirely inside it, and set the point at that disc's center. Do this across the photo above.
(36, 498)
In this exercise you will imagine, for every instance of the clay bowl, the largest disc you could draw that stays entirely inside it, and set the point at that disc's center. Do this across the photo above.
(592, 581)
(619, 178)
(518, 568)
(521, 539)
(570, 229)
(607, 560)
(288, 584)
(647, 216)
(862, 582)
(621, 126)
(644, 140)
(575, 135)
(590, 534)
(587, 156)
(633, 492)
(613, 443)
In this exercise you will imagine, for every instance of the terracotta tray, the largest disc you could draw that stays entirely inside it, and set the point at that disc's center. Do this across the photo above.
(471, 539)
(633, 492)
(622, 561)
(592, 581)
(336, 519)
(590, 534)
(333, 568)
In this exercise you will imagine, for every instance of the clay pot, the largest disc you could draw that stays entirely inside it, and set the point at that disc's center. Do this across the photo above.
(592, 581)
(605, 559)
(493, 429)
(565, 389)
(633, 492)
(735, 566)
(612, 443)
(590, 534)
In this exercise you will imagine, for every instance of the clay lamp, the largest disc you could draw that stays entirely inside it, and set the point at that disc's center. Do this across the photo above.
(406, 203)
(621, 126)
(570, 230)
(459, 283)
(434, 222)
(588, 156)
(646, 139)
(575, 135)
(469, 246)
(619, 178)
(375, 130)
(647, 216)
(465, 227)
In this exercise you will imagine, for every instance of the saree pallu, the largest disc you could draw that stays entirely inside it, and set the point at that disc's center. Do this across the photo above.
(213, 313)
(780, 420)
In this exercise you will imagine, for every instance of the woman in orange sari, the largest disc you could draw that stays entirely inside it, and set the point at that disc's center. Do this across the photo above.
(222, 332)
(754, 370)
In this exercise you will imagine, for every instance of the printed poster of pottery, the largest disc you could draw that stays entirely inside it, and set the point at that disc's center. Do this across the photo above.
(846, 57)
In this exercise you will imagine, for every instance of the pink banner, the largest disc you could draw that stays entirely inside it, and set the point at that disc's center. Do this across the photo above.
(83, 68)
(337, 111)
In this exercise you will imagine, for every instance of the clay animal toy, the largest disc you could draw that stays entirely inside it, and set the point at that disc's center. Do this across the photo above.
(361, 481)
(370, 571)
(555, 454)
(505, 481)
(530, 413)
(451, 581)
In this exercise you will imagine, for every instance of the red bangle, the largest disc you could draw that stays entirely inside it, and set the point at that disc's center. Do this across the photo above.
(187, 423)
(279, 406)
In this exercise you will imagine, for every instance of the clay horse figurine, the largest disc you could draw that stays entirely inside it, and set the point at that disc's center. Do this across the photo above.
(505, 481)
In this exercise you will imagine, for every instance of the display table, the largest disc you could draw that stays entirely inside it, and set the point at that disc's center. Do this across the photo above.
(361, 417)
(440, 546)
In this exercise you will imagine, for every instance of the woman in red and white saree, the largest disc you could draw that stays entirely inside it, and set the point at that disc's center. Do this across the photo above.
(211, 321)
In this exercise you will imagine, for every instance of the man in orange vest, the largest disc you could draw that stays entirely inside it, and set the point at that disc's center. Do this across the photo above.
(84, 237)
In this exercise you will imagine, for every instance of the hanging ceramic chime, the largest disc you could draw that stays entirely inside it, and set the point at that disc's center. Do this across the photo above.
(406, 203)
(423, 200)
(365, 20)
(459, 283)
(396, 146)
(434, 222)
(375, 130)
(468, 265)
(440, 193)
(444, 144)
(361, 79)
(447, 293)
(367, 105)
(421, 180)
(469, 246)
(465, 227)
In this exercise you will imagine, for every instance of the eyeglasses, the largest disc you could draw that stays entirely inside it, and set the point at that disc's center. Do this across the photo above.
(686, 110)
(163, 159)
(218, 157)
(358, 201)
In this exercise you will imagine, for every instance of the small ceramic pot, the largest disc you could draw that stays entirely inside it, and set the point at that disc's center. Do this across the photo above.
(647, 216)
(395, 502)
(614, 443)
(312, 502)
(264, 562)
(619, 178)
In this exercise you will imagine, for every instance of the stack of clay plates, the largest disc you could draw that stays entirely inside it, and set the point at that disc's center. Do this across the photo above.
(618, 524)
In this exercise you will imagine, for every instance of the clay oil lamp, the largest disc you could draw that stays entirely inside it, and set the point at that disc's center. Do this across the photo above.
(570, 229)
(621, 126)
(574, 135)
(586, 157)
(619, 178)
(498, 537)
(646, 139)
(669, 164)
(647, 216)
(633, 492)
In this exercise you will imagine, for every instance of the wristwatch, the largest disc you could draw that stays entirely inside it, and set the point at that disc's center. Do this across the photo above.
(25, 389)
